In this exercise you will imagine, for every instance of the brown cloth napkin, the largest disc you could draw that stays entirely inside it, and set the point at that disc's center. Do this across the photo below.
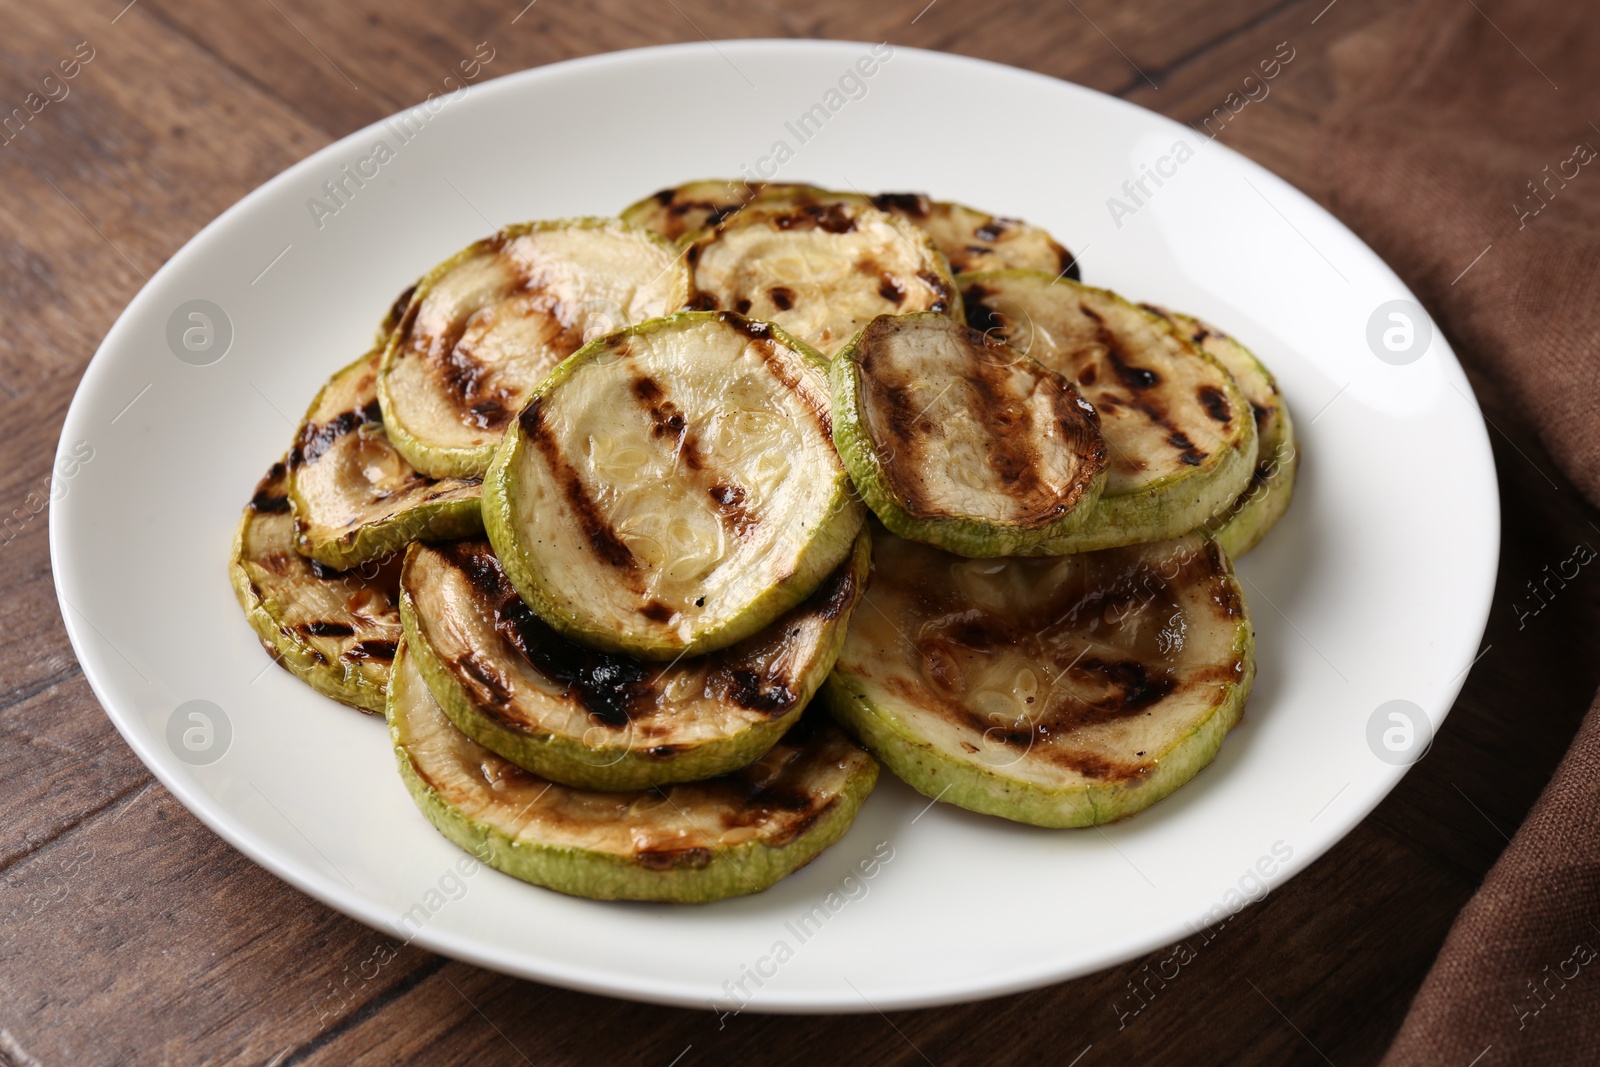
(1465, 149)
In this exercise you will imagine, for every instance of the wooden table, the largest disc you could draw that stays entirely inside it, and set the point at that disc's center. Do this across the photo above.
(132, 934)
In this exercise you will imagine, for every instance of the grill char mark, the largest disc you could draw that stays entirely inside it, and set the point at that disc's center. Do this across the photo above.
(1137, 379)
(981, 316)
(990, 231)
(1119, 686)
(911, 205)
(316, 438)
(598, 534)
(1131, 686)
(266, 502)
(772, 691)
(1009, 425)
(667, 859)
(612, 689)
(327, 629)
(469, 380)
(372, 649)
(940, 288)
(668, 422)
(616, 690)
(729, 500)
(397, 310)
(1188, 453)
(1011, 457)
(1216, 404)
(1130, 375)
(766, 347)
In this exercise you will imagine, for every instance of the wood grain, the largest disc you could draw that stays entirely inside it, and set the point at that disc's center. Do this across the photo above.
(130, 934)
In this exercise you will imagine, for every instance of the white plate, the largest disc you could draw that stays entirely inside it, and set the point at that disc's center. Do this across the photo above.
(1375, 587)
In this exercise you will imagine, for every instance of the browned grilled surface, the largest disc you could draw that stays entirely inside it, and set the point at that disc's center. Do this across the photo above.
(1115, 378)
(672, 427)
(779, 797)
(1263, 403)
(1215, 401)
(272, 491)
(485, 400)
(669, 424)
(993, 384)
(761, 675)
(1108, 635)
(775, 795)
(315, 439)
(973, 240)
(597, 530)
(397, 311)
(916, 281)
(685, 209)
(334, 502)
(778, 363)
(968, 239)
(912, 206)
(341, 617)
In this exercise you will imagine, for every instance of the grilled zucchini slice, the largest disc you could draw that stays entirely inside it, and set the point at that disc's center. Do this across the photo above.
(1242, 526)
(686, 844)
(959, 440)
(822, 271)
(597, 720)
(1181, 440)
(485, 326)
(1063, 691)
(971, 240)
(335, 630)
(673, 487)
(355, 497)
(684, 210)
(974, 240)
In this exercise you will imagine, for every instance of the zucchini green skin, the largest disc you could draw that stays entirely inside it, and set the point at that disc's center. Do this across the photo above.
(1158, 511)
(571, 762)
(346, 683)
(963, 534)
(1260, 507)
(951, 781)
(443, 521)
(360, 683)
(726, 872)
(829, 542)
(442, 461)
(1242, 526)
(1164, 508)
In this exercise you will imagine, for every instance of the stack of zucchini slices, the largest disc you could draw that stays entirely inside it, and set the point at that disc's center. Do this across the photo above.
(609, 501)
